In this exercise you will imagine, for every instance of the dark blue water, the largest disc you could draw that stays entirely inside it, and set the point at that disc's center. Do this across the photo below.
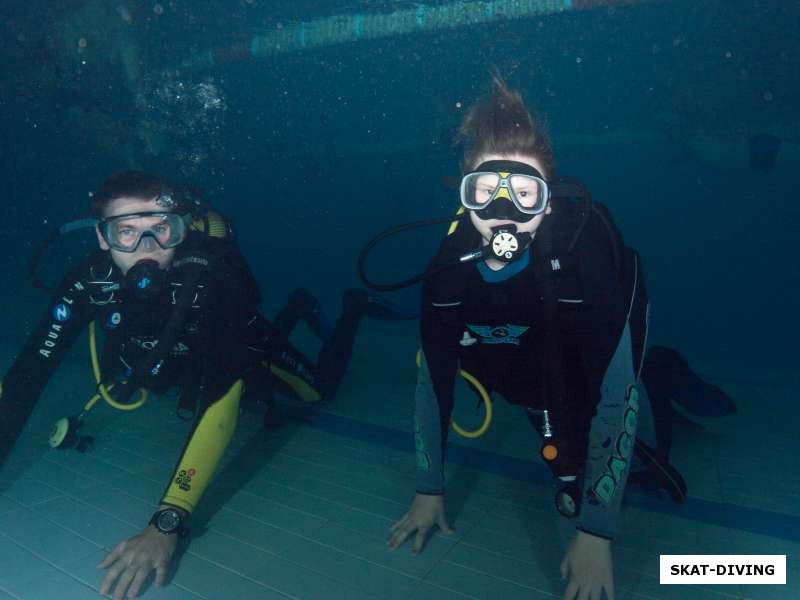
(312, 153)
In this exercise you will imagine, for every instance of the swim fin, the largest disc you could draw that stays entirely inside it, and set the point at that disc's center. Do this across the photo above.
(301, 304)
(659, 474)
(666, 373)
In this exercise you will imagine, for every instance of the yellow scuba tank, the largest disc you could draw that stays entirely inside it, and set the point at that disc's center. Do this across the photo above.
(212, 224)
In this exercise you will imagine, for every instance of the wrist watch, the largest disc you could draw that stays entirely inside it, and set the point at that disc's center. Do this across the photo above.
(168, 521)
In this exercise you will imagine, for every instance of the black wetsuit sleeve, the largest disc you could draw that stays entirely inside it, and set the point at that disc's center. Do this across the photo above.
(68, 311)
(440, 330)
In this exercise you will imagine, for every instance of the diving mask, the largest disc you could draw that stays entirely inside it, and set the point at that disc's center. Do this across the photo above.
(126, 232)
(504, 189)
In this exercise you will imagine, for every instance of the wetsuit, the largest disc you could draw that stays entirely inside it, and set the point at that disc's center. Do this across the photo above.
(493, 325)
(222, 340)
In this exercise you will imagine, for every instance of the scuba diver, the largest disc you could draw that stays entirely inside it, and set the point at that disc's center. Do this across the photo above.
(177, 304)
(533, 295)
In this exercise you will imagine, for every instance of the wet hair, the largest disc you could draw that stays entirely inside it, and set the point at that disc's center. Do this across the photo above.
(502, 124)
(127, 184)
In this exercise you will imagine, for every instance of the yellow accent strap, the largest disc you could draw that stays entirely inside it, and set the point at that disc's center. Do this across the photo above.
(300, 387)
(204, 450)
(487, 402)
(454, 224)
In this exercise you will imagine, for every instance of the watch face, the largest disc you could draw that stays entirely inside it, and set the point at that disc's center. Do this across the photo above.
(168, 520)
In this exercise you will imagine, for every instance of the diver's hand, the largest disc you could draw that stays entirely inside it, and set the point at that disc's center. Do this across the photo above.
(132, 561)
(587, 563)
(425, 512)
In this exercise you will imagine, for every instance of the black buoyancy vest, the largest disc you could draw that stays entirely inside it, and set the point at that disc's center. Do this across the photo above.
(575, 220)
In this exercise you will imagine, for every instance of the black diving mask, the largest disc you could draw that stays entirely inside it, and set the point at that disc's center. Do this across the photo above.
(505, 189)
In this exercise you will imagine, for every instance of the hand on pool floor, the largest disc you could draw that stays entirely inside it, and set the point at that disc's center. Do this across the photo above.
(588, 565)
(425, 512)
(132, 561)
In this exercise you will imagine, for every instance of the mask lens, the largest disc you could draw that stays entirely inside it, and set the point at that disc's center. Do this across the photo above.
(125, 232)
(122, 234)
(529, 191)
(478, 189)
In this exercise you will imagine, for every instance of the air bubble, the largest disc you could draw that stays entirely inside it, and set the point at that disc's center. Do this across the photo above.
(187, 116)
(125, 14)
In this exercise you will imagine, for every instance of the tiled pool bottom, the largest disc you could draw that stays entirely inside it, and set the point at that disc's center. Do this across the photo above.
(304, 512)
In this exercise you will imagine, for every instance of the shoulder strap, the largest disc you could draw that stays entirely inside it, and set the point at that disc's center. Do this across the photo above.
(546, 275)
(594, 219)
(575, 215)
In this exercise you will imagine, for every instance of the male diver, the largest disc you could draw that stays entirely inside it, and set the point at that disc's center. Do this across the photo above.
(178, 306)
(535, 300)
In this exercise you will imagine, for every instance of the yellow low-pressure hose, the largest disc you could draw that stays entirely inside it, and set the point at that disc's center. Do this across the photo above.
(103, 390)
(65, 431)
(487, 403)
